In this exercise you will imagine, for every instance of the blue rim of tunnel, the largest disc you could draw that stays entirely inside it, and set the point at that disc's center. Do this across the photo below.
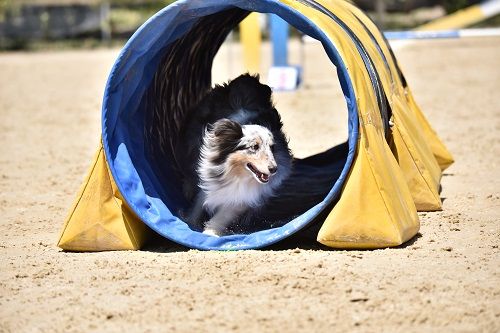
(126, 85)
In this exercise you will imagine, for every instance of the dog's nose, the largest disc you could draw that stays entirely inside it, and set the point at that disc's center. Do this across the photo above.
(273, 169)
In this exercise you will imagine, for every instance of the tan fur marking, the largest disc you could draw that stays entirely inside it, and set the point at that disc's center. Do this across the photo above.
(237, 162)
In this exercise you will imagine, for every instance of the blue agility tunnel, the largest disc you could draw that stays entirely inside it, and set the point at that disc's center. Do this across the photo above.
(189, 33)
(165, 68)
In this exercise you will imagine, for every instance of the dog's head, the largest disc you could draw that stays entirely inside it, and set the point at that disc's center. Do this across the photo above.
(242, 151)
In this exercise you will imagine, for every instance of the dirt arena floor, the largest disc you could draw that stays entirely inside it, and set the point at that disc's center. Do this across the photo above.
(447, 279)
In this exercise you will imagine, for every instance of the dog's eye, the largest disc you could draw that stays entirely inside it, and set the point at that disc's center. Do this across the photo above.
(255, 146)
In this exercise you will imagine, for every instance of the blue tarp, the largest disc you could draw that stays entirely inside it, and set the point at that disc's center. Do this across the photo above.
(123, 124)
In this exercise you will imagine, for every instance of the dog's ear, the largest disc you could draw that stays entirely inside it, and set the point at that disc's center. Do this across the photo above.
(226, 138)
(227, 130)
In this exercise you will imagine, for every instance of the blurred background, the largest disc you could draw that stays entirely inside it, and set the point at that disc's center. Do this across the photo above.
(92, 32)
(54, 24)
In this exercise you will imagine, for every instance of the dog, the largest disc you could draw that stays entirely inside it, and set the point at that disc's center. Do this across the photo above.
(233, 154)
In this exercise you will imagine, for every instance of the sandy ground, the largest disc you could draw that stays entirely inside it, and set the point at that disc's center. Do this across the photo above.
(447, 279)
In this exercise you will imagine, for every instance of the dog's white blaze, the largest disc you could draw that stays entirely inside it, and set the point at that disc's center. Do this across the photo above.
(250, 132)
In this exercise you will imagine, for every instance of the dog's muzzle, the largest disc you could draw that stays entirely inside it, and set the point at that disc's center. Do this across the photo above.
(261, 177)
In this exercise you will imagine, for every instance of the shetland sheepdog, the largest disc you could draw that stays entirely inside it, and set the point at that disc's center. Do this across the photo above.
(233, 154)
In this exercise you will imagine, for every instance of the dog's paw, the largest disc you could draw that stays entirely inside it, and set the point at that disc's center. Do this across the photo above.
(211, 232)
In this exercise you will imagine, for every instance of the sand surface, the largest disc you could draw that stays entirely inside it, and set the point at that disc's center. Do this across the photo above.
(447, 279)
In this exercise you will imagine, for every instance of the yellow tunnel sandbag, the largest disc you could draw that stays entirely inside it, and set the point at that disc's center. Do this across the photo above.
(439, 150)
(251, 42)
(441, 153)
(99, 219)
(415, 158)
(425, 196)
(376, 208)
(414, 155)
